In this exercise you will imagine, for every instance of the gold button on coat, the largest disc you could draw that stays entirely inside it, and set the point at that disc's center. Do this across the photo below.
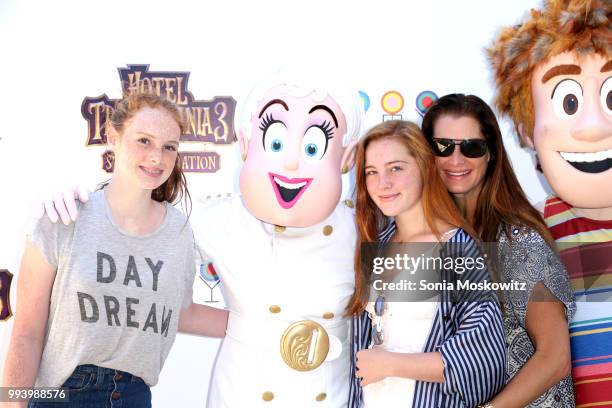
(349, 203)
(327, 230)
(275, 309)
(321, 397)
(279, 228)
(267, 396)
(328, 315)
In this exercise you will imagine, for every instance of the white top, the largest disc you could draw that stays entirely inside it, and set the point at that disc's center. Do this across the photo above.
(406, 326)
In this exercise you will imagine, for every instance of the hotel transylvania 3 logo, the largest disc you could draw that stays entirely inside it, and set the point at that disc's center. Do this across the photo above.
(210, 121)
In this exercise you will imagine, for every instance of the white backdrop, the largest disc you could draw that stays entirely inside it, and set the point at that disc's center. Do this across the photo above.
(55, 53)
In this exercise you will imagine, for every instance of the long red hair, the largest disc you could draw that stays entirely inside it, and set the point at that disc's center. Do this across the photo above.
(438, 206)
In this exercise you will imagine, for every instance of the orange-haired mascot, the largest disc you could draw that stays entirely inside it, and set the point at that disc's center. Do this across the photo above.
(553, 75)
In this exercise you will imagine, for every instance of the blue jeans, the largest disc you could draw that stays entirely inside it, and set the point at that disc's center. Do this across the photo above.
(91, 386)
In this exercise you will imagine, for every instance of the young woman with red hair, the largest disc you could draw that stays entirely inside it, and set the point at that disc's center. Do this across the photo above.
(448, 351)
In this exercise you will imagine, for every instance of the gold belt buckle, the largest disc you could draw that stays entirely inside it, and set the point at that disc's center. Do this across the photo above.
(304, 345)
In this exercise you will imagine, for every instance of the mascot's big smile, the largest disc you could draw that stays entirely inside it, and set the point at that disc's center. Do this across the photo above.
(596, 162)
(287, 190)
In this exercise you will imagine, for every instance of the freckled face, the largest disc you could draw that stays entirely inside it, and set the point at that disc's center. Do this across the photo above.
(147, 148)
(573, 128)
(291, 175)
(393, 179)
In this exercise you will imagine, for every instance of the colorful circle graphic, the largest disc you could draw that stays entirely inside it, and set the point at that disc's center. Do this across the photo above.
(392, 102)
(424, 100)
(365, 99)
(208, 273)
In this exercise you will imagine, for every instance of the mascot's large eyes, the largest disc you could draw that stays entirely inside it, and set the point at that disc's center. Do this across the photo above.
(567, 98)
(606, 95)
(274, 137)
(314, 142)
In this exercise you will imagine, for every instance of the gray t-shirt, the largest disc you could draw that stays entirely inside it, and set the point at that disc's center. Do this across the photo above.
(116, 297)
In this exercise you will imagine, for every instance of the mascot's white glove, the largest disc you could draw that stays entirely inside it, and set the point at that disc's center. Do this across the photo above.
(63, 205)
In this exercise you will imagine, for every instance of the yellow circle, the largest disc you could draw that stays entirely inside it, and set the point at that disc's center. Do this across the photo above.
(392, 102)
(275, 309)
(267, 396)
(321, 397)
(328, 315)
(327, 230)
(279, 228)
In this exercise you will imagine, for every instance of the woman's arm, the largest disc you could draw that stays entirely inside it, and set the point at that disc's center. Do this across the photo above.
(36, 278)
(203, 321)
(375, 364)
(199, 319)
(546, 325)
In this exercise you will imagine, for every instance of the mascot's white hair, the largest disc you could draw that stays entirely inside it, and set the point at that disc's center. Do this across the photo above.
(299, 81)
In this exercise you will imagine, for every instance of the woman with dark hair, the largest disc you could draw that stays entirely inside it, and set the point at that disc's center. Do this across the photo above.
(465, 137)
(100, 300)
(444, 350)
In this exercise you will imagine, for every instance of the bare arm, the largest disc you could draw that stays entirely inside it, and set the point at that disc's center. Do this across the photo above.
(546, 325)
(203, 321)
(375, 364)
(36, 278)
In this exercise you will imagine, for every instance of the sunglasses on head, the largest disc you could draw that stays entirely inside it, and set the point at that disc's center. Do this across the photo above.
(471, 148)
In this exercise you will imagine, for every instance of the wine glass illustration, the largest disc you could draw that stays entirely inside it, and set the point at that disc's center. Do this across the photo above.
(210, 277)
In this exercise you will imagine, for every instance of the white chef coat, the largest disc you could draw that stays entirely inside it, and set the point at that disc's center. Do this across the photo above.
(271, 277)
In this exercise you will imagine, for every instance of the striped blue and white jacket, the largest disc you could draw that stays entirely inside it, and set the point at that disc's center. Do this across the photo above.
(468, 334)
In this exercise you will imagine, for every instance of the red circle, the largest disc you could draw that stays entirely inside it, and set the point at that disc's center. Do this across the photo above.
(427, 101)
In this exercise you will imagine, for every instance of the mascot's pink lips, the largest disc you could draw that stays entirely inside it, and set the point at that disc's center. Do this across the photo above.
(288, 190)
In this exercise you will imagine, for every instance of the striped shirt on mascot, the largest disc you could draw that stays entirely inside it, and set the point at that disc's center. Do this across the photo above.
(553, 75)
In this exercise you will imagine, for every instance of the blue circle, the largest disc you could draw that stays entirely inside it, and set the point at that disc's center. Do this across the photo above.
(422, 97)
(311, 149)
(276, 145)
(365, 99)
